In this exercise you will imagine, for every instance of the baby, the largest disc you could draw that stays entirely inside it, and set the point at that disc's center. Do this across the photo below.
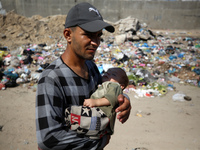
(97, 115)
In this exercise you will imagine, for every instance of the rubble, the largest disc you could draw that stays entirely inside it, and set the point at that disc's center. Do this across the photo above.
(153, 60)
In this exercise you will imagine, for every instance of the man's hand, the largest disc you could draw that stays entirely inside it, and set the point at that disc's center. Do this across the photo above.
(124, 108)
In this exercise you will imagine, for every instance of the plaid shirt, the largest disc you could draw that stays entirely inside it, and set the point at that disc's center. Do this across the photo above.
(58, 88)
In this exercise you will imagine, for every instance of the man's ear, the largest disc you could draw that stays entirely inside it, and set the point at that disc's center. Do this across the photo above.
(67, 34)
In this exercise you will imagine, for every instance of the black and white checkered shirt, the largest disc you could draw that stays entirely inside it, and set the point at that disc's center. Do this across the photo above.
(58, 88)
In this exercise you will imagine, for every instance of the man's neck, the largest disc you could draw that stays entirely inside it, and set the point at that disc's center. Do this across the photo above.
(77, 65)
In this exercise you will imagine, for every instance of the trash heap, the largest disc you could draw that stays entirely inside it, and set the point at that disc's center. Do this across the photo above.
(132, 30)
(153, 60)
(23, 66)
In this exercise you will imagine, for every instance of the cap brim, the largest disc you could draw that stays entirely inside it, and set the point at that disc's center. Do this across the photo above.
(97, 25)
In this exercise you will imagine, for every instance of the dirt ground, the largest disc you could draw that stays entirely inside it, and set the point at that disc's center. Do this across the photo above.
(155, 123)
(162, 123)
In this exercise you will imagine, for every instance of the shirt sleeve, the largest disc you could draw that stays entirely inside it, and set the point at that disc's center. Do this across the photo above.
(110, 91)
(50, 127)
(113, 91)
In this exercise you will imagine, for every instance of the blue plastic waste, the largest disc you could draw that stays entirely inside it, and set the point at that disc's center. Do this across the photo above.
(170, 85)
(197, 71)
(181, 55)
(100, 68)
(188, 39)
(11, 75)
(179, 66)
(145, 45)
(172, 71)
(172, 57)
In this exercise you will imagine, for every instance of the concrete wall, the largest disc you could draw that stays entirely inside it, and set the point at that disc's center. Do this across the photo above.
(157, 14)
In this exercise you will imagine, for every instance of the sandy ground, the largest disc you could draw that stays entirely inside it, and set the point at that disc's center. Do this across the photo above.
(162, 123)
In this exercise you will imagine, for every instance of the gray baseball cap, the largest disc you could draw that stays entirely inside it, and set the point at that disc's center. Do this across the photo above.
(87, 17)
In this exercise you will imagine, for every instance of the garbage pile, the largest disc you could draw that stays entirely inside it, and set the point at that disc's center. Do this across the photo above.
(153, 61)
(132, 30)
(23, 66)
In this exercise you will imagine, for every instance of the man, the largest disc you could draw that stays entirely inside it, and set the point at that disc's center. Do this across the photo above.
(70, 79)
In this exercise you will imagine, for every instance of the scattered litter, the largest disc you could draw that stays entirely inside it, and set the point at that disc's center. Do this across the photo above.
(140, 148)
(1, 127)
(154, 61)
(180, 96)
(187, 98)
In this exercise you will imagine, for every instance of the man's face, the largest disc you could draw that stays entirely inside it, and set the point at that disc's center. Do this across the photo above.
(84, 44)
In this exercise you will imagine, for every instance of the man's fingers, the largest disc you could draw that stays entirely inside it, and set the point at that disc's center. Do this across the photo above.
(123, 116)
(123, 109)
(125, 105)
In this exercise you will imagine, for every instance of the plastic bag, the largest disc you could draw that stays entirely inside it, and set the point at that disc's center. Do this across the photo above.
(179, 97)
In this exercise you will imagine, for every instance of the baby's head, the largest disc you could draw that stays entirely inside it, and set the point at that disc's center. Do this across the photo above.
(116, 75)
